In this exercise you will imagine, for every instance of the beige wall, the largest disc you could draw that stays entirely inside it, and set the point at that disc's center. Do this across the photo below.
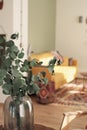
(42, 25)
(71, 36)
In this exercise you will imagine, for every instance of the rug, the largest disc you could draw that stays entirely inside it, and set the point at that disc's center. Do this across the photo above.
(73, 93)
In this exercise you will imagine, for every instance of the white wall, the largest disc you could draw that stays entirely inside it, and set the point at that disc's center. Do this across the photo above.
(6, 18)
(6, 27)
(10, 19)
(10, 22)
(20, 21)
(71, 36)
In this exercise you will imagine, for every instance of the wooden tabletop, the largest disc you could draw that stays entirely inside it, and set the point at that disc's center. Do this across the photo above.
(36, 127)
(52, 115)
(49, 116)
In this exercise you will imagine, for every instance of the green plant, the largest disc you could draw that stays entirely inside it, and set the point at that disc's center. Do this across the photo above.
(13, 67)
(57, 59)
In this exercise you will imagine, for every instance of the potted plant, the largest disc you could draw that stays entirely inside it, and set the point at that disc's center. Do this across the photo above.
(16, 80)
(18, 109)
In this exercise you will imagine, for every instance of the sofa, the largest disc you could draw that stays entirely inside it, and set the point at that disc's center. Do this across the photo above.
(64, 73)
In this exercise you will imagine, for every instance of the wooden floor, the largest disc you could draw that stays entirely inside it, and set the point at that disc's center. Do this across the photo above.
(51, 115)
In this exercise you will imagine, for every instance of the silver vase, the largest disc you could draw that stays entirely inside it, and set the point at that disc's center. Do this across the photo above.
(18, 113)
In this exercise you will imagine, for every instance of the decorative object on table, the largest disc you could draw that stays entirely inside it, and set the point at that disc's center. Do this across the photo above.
(47, 87)
(18, 113)
(18, 109)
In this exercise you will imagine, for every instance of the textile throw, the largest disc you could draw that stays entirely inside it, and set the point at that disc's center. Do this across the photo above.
(73, 93)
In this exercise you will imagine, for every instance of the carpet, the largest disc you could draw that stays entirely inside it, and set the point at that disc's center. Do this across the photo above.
(73, 93)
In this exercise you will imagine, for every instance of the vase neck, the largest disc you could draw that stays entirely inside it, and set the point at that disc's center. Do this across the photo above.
(16, 98)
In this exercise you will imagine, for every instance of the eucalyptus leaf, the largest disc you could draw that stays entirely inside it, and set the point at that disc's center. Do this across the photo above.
(33, 89)
(19, 82)
(10, 43)
(51, 68)
(23, 69)
(14, 36)
(21, 55)
(14, 49)
(33, 62)
(1, 47)
(8, 78)
(16, 73)
(13, 55)
(25, 66)
(2, 73)
(7, 88)
(7, 63)
(26, 63)
(2, 39)
(45, 80)
(1, 82)
(17, 62)
(19, 86)
(6, 92)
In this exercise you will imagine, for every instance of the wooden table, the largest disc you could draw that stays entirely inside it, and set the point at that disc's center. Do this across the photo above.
(50, 115)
